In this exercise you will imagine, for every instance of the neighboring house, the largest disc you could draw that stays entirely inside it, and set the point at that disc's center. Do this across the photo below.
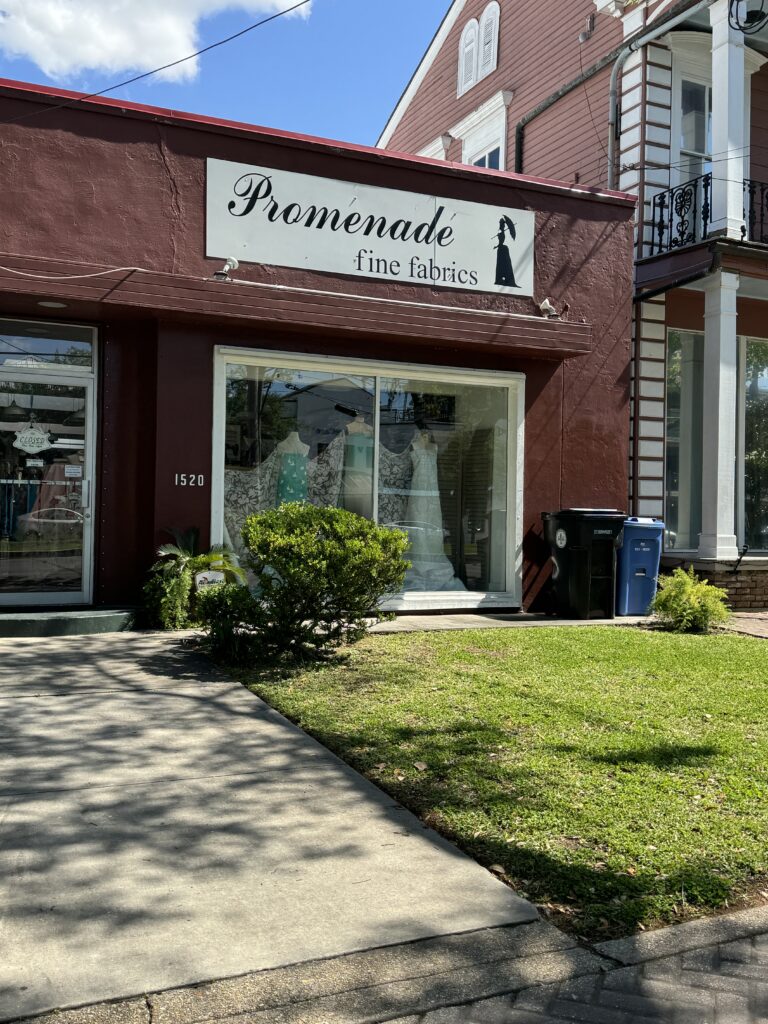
(526, 87)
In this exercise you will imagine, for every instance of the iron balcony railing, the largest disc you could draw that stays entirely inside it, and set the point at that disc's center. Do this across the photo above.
(681, 215)
(755, 227)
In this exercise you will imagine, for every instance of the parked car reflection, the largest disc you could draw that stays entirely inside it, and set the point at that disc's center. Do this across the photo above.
(49, 523)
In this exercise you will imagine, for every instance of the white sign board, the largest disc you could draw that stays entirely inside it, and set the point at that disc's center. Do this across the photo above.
(211, 578)
(263, 215)
(32, 440)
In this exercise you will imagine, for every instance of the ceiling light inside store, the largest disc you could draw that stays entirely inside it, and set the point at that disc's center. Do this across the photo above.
(14, 413)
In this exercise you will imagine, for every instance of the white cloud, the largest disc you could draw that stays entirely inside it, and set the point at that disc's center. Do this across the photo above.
(65, 37)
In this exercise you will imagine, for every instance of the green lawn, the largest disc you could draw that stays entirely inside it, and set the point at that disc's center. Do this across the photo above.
(617, 776)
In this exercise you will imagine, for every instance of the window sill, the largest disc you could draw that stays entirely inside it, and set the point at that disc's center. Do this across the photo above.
(448, 600)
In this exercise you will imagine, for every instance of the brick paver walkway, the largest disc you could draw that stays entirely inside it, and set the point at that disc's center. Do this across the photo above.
(752, 623)
(726, 983)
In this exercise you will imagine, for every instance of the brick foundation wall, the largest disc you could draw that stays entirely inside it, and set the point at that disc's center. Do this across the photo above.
(747, 589)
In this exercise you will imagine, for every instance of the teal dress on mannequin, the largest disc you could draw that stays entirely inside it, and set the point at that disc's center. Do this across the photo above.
(358, 474)
(292, 480)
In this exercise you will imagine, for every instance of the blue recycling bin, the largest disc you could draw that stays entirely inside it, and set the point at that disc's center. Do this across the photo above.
(638, 569)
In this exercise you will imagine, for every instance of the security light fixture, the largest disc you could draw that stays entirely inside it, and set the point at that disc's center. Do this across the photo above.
(445, 141)
(548, 310)
(223, 274)
(589, 29)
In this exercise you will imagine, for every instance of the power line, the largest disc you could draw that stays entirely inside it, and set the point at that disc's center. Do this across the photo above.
(155, 71)
(589, 108)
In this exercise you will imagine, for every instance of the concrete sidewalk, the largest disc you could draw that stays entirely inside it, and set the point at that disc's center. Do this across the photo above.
(160, 826)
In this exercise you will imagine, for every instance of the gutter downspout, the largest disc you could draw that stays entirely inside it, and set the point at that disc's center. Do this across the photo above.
(624, 55)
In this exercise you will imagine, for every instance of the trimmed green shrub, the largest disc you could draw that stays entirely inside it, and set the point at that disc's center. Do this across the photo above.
(686, 604)
(320, 574)
(229, 613)
(170, 598)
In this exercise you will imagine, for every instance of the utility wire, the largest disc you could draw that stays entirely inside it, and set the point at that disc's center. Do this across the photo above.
(589, 108)
(155, 71)
(76, 277)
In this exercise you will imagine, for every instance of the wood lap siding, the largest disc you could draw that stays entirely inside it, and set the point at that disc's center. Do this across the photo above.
(537, 55)
(759, 154)
(563, 143)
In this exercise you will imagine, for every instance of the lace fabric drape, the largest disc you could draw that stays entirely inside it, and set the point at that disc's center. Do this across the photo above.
(253, 490)
(409, 498)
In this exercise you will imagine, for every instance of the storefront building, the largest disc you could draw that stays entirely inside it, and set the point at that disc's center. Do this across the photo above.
(201, 319)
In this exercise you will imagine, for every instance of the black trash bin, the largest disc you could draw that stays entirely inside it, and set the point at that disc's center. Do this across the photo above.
(584, 543)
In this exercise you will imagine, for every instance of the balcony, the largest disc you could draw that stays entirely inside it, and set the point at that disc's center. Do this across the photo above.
(682, 216)
(755, 212)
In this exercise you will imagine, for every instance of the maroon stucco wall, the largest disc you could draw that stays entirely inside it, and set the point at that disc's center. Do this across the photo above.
(94, 185)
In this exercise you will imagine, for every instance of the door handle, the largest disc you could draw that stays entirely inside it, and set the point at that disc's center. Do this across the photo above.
(85, 494)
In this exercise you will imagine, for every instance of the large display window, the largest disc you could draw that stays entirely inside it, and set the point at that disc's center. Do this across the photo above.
(436, 453)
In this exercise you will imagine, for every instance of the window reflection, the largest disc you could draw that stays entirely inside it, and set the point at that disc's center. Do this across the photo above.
(756, 446)
(684, 413)
(437, 467)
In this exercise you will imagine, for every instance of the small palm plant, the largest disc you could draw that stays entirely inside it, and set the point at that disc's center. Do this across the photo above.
(169, 593)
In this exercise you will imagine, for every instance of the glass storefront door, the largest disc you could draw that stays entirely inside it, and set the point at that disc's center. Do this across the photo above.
(429, 451)
(46, 464)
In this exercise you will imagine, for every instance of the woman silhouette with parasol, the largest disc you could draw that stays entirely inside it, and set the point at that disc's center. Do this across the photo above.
(504, 273)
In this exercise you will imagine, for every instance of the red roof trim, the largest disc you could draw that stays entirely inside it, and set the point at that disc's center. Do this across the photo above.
(39, 93)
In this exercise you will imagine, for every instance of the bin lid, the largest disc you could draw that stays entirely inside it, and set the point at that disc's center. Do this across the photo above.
(581, 512)
(644, 521)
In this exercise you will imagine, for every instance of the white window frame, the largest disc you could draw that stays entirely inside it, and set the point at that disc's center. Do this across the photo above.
(692, 61)
(671, 550)
(490, 16)
(464, 83)
(741, 417)
(513, 382)
(56, 369)
(483, 130)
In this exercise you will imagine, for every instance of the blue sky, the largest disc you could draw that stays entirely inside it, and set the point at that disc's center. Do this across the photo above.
(336, 73)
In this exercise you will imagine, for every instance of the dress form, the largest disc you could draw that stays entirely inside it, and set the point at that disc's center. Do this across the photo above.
(293, 445)
(357, 488)
(431, 569)
(292, 481)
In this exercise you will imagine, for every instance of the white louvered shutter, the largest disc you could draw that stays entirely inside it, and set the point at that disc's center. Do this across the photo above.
(489, 42)
(468, 57)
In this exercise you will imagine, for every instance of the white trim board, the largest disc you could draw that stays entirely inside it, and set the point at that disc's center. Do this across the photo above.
(450, 19)
(483, 129)
(478, 132)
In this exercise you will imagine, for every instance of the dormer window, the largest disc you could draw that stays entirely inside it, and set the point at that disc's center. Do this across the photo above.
(479, 48)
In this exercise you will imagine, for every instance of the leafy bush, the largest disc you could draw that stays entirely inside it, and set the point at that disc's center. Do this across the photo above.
(170, 597)
(687, 604)
(320, 573)
(229, 613)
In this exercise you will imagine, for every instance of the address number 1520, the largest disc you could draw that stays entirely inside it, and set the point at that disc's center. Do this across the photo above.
(189, 479)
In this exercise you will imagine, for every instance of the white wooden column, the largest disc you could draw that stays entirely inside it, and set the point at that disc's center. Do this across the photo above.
(718, 485)
(729, 135)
